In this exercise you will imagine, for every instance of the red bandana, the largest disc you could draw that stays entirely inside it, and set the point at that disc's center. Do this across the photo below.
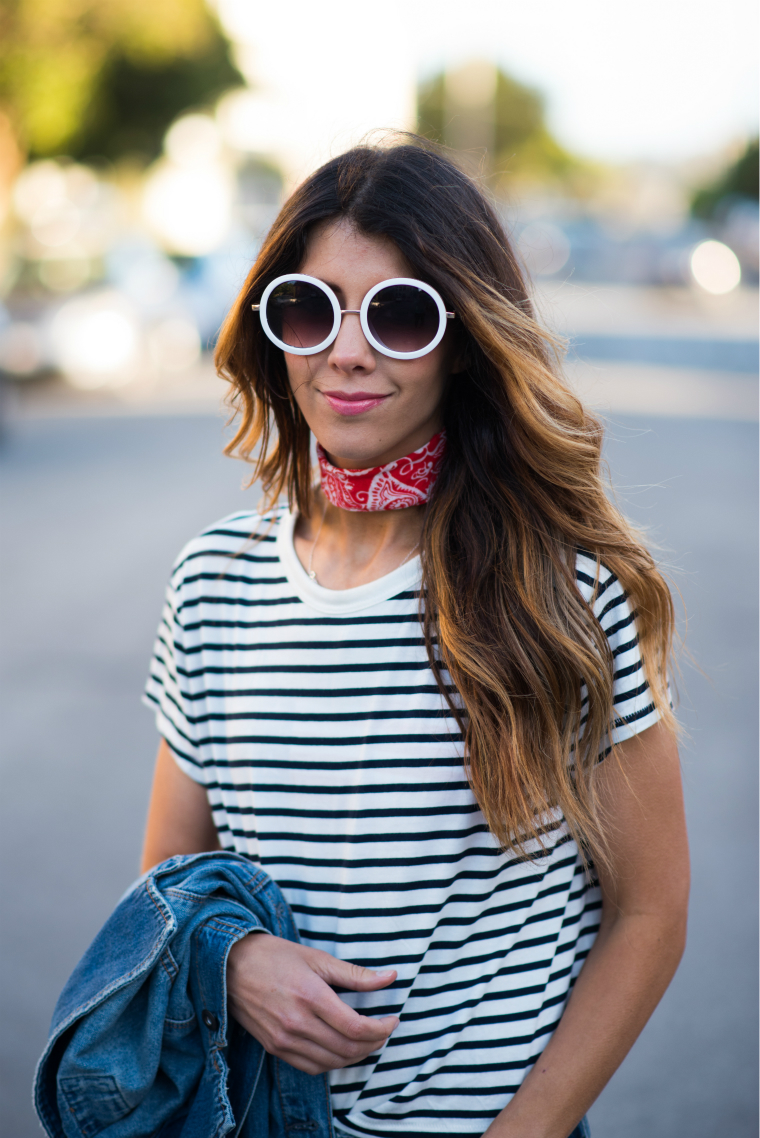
(404, 482)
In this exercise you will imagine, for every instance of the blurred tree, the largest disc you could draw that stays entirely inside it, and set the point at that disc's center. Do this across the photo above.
(480, 107)
(104, 78)
(740, 180)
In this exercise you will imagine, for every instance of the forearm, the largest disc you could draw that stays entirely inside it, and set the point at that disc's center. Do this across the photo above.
(623, 979)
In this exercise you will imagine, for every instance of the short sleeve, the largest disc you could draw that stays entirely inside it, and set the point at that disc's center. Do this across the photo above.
(634, 707)
(166, 689)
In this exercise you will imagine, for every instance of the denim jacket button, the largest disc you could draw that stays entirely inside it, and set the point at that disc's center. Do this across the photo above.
(210, 1020)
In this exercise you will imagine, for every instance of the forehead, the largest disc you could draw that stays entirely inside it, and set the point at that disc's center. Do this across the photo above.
(339, 253)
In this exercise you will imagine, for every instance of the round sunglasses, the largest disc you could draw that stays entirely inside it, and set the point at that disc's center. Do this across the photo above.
(401, 318)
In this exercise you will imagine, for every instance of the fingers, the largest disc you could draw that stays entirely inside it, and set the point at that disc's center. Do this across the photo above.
(319, 1044)
(307, 1042)
(355, 1038)
(356, 1028)
(344, 974)
(338, 1015)
(281, 993)
(312, 1059)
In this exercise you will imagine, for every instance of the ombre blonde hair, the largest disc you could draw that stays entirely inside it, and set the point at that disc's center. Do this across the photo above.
(521, 491)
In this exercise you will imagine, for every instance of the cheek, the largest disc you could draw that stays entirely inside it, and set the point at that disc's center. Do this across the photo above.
(428, 379)
(299, 369)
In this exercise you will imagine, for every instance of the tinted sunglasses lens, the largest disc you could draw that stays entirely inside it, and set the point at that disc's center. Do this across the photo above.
(403, 318)
(300, 314)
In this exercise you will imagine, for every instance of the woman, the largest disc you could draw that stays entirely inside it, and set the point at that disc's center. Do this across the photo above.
(397, 692)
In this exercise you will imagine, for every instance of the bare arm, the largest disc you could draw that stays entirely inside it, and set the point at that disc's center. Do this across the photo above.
(179, 816)
(637, 950)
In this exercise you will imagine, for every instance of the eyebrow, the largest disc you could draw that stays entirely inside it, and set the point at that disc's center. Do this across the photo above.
(330, 284)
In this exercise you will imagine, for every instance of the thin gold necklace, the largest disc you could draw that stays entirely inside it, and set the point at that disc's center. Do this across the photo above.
(309, 569)
(311, 572)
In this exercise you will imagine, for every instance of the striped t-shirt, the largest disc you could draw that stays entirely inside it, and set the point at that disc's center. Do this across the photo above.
(313, 720)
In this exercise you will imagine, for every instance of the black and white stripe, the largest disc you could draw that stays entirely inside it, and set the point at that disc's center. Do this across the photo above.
(313, 720)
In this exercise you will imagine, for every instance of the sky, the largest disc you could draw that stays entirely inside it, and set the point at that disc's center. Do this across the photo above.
(657, 79)
(661, 80)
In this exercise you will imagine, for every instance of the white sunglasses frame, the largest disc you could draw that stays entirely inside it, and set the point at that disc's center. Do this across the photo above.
(339, 313)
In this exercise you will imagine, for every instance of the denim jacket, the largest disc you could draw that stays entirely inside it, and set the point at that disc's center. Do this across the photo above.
(141, 1045)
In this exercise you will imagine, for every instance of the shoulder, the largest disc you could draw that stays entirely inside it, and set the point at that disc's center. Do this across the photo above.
(247, 537)
(603, 593)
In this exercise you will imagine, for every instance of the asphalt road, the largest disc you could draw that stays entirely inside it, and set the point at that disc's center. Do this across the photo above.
(94, 511)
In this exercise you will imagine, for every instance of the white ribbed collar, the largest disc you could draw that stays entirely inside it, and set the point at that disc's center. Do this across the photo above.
(339, 601)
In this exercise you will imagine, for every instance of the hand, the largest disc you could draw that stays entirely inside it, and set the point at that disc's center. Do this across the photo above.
(280, 993)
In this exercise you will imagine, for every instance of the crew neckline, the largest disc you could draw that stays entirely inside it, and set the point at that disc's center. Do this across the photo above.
(401, 580)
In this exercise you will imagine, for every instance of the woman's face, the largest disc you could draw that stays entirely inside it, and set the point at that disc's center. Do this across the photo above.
(365, 408)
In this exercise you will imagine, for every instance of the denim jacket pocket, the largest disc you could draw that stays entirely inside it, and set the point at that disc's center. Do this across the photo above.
(176, 1028)
(95, 1101)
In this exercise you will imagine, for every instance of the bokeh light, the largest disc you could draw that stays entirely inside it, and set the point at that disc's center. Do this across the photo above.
(144, 274)
(251, 123)
(188, 210)
(174, 345)
(193, 141)
(715, 267)
(62, 203)
(96, 340)
(544, 249)
(20, 348)
(188, 196)
(64, 274)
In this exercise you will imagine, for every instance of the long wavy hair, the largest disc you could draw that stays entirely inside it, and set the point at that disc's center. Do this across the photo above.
(521, 491)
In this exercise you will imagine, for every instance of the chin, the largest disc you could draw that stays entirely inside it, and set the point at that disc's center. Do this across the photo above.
(352, 456)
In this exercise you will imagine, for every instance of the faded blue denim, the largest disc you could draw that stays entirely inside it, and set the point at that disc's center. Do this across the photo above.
(141, 1045)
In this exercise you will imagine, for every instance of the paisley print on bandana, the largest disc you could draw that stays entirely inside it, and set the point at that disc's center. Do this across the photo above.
(404, 482)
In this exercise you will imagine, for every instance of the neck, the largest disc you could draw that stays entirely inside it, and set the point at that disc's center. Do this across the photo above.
(356, 547)
(369, 525)
(399, 484)
(370, 519)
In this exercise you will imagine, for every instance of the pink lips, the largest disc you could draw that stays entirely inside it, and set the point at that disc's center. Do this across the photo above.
(354, 402)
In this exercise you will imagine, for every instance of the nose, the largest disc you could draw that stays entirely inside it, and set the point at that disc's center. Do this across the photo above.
(350, 351)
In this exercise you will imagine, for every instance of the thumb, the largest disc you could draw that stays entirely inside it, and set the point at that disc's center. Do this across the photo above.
(344, 974)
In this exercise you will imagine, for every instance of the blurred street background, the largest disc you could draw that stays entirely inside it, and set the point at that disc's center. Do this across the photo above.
(145, 148)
